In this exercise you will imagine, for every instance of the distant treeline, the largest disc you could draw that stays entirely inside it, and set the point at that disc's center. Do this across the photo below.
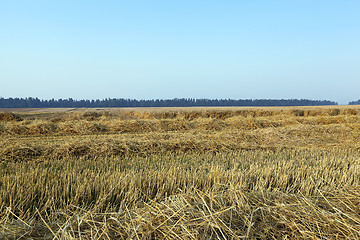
(176, 102)
(355, 102)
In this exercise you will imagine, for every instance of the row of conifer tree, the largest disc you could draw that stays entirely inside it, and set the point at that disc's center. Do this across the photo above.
(176, 102)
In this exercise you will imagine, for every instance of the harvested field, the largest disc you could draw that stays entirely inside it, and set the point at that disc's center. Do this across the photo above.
(181, 173)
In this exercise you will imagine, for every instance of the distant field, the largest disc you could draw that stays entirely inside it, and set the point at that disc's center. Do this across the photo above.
(119, 111)
(180, 173)
(151, 109)
(31, 110)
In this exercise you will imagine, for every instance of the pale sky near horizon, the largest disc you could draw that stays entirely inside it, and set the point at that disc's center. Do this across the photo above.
(180, 49)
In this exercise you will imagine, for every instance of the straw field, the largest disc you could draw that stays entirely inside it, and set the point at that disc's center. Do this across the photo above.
(186, 173)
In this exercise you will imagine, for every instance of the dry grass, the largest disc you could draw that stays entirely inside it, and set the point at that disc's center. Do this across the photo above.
(267, 173)
(8, 116)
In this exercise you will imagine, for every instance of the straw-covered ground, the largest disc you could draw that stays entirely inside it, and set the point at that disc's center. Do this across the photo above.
(197, 173)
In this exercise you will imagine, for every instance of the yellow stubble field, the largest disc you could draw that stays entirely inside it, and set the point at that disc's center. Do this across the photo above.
(180, 173)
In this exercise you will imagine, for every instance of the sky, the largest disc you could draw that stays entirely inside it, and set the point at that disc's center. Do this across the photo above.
(261, 49)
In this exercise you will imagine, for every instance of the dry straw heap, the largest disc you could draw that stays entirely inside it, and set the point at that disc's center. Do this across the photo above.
(216, 173)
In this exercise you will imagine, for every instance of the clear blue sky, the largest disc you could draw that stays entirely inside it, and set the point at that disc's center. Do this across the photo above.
(180, 49)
